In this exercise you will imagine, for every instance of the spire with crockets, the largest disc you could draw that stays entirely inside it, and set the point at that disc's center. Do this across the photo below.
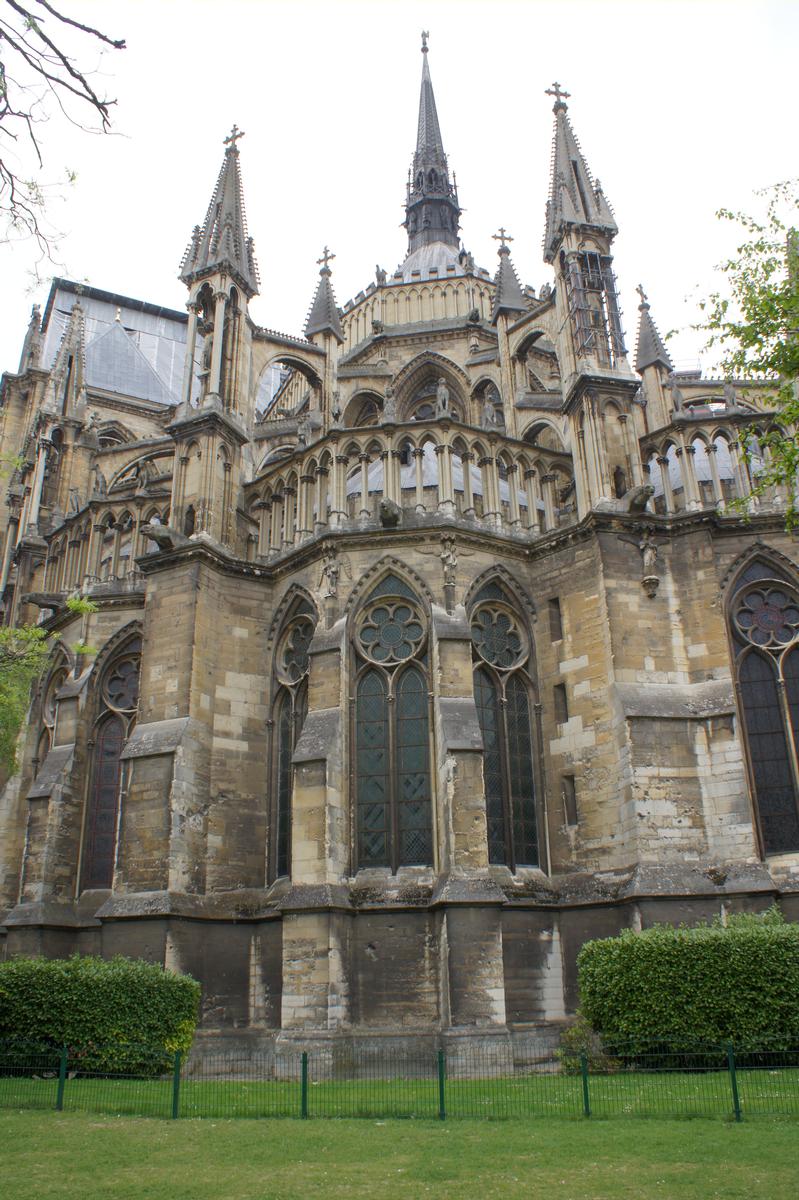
(431, 206)
(575, 199)
(323, 316)
(651, 348)
(508, 295)
(222, 243)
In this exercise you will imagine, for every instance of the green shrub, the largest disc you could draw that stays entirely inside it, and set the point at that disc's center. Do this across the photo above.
(117, 1014)
(708, 984)
(581, 1039)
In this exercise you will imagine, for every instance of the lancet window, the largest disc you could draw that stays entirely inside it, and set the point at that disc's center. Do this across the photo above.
(764, 622)
(393, 785)
(504, 694)
(119, 698)
(290, 708)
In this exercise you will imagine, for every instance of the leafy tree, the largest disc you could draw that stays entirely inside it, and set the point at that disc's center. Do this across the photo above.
(39, 74)
(23, 652)
(754, 324)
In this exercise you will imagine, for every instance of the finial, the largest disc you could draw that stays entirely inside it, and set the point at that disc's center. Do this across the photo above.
(644, 301)
(503, 237)
(234, 136)
(119, 314)
(425, 36)
(559, 94)
(327, 257)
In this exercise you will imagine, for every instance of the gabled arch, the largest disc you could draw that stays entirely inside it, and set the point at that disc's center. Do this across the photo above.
(503, 577)
(760, 551)
(115, 645)
(387, 565)
(428, 363)
(293, 597)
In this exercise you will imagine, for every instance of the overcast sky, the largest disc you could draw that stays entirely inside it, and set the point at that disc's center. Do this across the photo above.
(680, 108)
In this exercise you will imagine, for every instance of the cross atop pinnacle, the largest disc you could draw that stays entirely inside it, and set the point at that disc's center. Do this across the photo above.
(503, 237)
(643, 296)
(425, 36)
(233, 137)
(327, 256)
(559, 94)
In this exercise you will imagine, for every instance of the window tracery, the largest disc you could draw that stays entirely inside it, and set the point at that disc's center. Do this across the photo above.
(118, 702)
(292, 664)
(393, 785)
(503, 694)
(764, 621)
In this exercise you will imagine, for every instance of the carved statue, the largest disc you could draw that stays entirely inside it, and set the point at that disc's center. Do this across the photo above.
(449, 561)
(676, 395)
(390, 406)
(330, 574)
(380, 275)
(489, 417)
(390, 514)
(164, 536)
(649, 552)
(636, 499)
(442, 399)
(99, 485)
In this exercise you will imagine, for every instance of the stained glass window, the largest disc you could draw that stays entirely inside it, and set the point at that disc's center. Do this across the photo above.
(500, 648)
(119, 694)
(292, 663)
(765, 629)
(393, 792)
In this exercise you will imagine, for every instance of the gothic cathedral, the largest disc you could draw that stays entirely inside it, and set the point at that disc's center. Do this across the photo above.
(428, 644)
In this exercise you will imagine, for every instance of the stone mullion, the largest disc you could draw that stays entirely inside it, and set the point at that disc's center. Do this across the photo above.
(668, 495)
(631, 451)
(418, 456)
(264, 525)
(533, 519)
(548, 489)
(718, 491)
(513, 495)
(215, 380)
(191, 346)
(466, 470)
(363, 459)
(321, 497)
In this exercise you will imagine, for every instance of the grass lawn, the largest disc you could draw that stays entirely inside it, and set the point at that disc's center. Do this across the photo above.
(83, 1156)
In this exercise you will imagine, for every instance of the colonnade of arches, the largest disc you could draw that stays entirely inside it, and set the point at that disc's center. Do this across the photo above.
(100, 546)
(708, 468)
(497, 481)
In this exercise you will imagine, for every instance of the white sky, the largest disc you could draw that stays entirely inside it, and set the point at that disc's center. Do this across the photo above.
(680, 108)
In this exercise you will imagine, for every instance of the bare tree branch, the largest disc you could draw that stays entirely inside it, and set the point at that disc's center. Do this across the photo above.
(44, 72)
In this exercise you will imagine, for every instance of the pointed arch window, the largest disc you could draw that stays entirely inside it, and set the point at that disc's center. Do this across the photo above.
(504, 695)
(764, 621)
(393, 786)
(290, 709)
(119, 698)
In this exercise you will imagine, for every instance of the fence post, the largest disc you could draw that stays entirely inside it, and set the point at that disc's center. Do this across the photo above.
(304, 1085)
(736, 1102)
(62, 1079)
(442, 1100)
(176, 1086)
(584, 1074)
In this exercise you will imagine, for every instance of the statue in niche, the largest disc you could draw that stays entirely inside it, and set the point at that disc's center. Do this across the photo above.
(489, 417)
(390, 406)
(442, 399)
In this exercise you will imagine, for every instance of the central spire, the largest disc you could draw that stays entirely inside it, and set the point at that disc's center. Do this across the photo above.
(431, 206)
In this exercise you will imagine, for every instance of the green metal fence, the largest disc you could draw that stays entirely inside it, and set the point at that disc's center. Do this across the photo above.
(522, 1078)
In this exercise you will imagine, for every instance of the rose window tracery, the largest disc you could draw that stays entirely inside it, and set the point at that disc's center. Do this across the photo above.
(768, 617)
(390, 632)
(497, 637)
(293, 656)
(121, 687)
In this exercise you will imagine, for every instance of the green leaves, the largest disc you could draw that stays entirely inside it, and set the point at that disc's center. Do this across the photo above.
(117, 1014)
(712, 983)
(23, 652)
(753, 325)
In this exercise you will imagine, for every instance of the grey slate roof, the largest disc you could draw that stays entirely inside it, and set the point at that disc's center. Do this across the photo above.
(115, 363)
(509, 297)
(650, 348)
(575, 199)
(324, 316)
(222, 242)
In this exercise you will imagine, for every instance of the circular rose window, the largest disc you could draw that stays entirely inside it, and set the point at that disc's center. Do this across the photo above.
(390, 632)
(768, 616)
(497, 637)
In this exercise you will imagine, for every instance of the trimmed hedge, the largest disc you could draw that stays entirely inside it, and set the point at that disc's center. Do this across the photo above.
(707, 984)
(117, 1014)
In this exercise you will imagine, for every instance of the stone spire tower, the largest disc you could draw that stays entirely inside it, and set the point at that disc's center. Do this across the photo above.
(598, 382)
(215, 414)
(431, 206)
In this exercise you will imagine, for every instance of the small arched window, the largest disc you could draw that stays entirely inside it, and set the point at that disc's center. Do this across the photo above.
(119, 698)
(393, 786)
(503, 693)
(764, 625)
(289, 710)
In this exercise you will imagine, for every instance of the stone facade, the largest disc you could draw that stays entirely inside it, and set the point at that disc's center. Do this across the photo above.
(426, 644)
